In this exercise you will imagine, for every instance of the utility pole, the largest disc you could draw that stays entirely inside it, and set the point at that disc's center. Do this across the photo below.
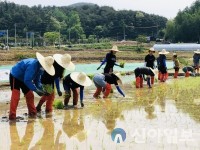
(15, 35)
(124, 33)
(59, 38)
(69, 34)
(7, 40)
(27, 39)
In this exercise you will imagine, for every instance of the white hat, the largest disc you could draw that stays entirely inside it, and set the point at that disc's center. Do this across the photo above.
(152, 49)
(164, 52)
(46, 63)
(119, 76)
(115, 48)
(81, 78)
(174, 54)
(64, 61)
(197, 51)
(152, 70)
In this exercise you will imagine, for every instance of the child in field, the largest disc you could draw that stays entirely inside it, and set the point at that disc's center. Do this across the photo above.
(196, 58)
(176, 65)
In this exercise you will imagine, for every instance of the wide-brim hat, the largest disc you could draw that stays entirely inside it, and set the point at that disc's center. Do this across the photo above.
(197, 51)
(164, 52)
(174, 54)
(64, 61)
(46, 63)
(114, 48)
(81, 78)
(152, 70)
(119, 77)
(152, 50)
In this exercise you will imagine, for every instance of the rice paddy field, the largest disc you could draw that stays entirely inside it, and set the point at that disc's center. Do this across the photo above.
(166, 116)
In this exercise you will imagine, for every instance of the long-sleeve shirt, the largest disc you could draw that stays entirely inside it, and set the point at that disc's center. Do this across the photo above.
(149, 59)
(28, 71)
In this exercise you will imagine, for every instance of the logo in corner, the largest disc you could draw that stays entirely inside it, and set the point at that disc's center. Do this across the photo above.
(118, 135)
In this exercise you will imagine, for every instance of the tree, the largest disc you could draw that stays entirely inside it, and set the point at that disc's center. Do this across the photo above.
(51, 37)
(170, 31)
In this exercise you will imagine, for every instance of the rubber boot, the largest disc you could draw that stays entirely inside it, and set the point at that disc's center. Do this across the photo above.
(137, 82)
(162, 77)
(141, 82)
(159, 75)
(176, 74)
(75, 96)
(41, 102)
(49, 103)
(14, 103)
(107, 90)
(187, 74)
(97, 93)
(152, 80)
(30, 104)
(166, 76)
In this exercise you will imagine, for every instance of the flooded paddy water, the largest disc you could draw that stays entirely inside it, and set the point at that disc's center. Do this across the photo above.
(166, 116)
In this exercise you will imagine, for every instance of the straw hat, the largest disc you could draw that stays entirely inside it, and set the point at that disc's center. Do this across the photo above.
(151, 49)
(164, 52)
(114, 48)
(81, 78)
(119, 76)
(46, 63)
(152, 70)
(174, 54)
(197, 51)
(64, 61)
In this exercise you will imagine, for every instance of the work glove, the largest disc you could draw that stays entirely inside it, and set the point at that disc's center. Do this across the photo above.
(59, 93)
(40, 92)
(98, 68)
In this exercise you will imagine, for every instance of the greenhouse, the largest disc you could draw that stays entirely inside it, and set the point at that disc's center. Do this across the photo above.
(177, 47)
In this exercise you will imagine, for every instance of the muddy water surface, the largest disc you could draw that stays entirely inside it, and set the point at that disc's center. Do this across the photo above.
(164, 117)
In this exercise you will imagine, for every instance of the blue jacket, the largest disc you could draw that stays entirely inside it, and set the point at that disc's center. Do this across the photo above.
(29, 72)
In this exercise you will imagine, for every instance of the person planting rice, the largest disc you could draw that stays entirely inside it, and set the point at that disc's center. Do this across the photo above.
(149, 61)
(176, 65)
(196, 58)
(139, 74)
(104, 81)
(158, 66)
(25, 75)
(162, 65)
(61, 63)
(73, 81)
(187, 70)
(110, 60)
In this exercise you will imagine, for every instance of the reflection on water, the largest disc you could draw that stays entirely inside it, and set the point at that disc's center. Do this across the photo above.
(159, 118)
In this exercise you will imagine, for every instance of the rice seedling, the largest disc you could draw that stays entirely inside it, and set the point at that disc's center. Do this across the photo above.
(90, 76)
(58, 104)
(122, 64)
